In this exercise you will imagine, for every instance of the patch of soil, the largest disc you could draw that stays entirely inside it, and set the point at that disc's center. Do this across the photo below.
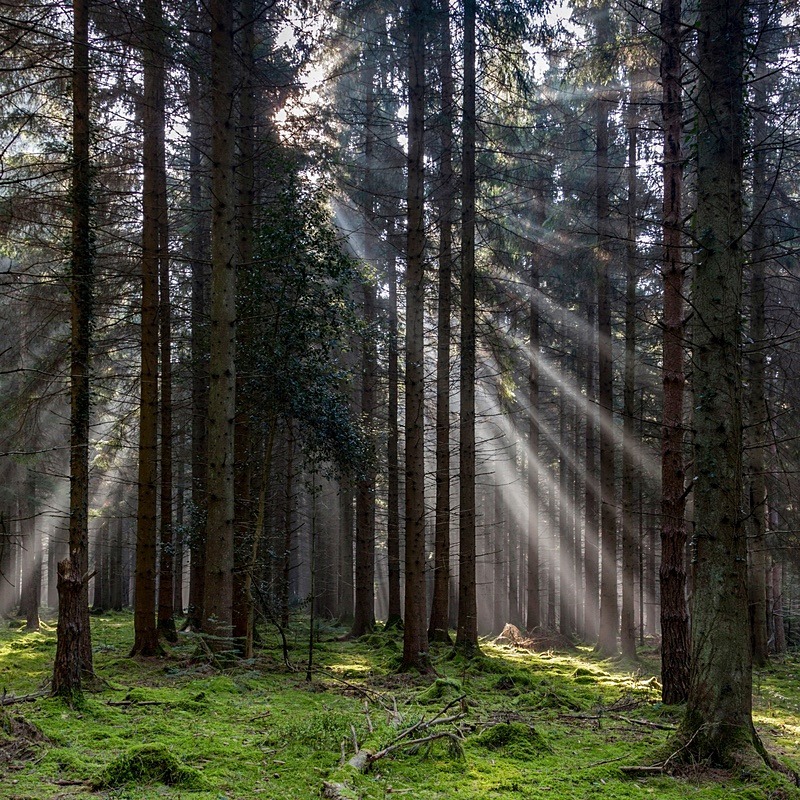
(18, 739)
(540, 640)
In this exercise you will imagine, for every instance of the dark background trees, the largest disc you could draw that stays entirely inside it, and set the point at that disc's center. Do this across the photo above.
(292, 187)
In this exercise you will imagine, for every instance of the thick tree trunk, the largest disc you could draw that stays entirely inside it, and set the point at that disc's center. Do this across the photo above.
(467, 629)
(67, 672)
(674, 612)
(218, 589)
(718, 725)
(415, 635)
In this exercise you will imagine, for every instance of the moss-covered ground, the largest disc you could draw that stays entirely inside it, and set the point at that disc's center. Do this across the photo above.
(547, 725)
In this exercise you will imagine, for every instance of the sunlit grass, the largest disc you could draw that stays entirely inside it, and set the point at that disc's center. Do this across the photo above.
(259, 730)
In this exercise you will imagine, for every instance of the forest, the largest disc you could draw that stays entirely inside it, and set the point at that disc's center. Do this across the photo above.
(402, 398)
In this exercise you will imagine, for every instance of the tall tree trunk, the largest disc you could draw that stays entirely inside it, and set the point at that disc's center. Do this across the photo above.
(218, 589)
(609, 612)
(627, 615)
(345, 592)
(166, 577)
(145, 640)
(415, 638)
(394, 614)
(439, 620)
(591, 549)
(467, 629)
(533, 615)
(674, 612)
(199, 389)
(82, 292)
(756, 399)
(718, 723)
(32, 544)
(364, 620)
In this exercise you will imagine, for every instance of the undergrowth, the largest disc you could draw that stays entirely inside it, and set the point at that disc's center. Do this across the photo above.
(521, 724)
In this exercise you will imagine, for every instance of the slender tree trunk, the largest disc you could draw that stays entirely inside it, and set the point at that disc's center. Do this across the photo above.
(591, 550)
(145, 640)
(82, 291)
(718, 725)
(166, 577)
(627, 615)
(31, 541)
(439, 620)
(345, 601)
(609, 611)
(364, 620)
(394, 615)
(199, 254)
(756, 399)
(467, 629)
(533, 616)
(218, 594)
(415, 638)
(674, 612)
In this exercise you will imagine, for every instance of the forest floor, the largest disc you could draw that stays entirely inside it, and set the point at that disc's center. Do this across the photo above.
(511, 724)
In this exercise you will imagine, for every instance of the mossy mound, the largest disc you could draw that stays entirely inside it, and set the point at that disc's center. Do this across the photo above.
(441, 689)
(149, 763)
(514, 738)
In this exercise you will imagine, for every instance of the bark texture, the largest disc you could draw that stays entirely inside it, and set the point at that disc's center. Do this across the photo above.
(674, 611)
(718, 723)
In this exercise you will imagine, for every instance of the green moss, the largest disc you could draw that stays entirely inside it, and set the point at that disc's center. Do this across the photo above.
(147, 764)
(441, 689)
(513, 738)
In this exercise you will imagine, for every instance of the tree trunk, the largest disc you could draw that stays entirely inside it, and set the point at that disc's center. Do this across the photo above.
(166, 578)
(627, 615)
(82, 291)
(756, 399)
(591, 549)
(467, 629)
(218, 589)
(609, 612)
(145, 640)
(718, 725)
(199, 389)
(415, 637)
(674, 612)
(67, 672)
(533, 616)
(345, 593)
(440, 612)
(364, 620)
(32, 544)
(394, 615)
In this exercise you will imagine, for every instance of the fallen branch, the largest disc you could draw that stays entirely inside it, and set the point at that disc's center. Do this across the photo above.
(138, 703)
(659, 725)
(654, 770)
(10, 700)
